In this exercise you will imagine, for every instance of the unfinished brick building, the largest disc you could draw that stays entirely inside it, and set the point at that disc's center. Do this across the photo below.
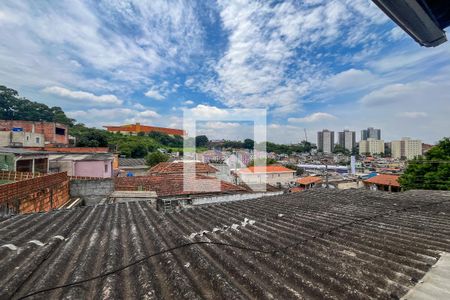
(55, 134)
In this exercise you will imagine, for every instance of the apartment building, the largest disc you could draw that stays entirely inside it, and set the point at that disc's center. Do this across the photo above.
(347, 139)
(370, 133)
(371, 146)
(406, 148)
(325, 141)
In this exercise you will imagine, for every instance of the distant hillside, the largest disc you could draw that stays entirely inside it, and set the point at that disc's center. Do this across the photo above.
(13, 107)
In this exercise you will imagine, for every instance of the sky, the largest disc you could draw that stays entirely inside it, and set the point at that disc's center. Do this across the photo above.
(335, 64)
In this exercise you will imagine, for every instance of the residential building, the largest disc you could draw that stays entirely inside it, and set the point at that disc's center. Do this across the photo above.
(406, 148)
(347, 139)
(21, 139)
(308, 182)
(54, 134)
(134, 129)
(273, 175)
(383, 182)
(371, 146)
(325, 141)
(23, 160)
(83, 164)
(370, 133)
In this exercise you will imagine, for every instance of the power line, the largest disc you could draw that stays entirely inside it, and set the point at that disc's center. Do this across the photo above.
(241, 247)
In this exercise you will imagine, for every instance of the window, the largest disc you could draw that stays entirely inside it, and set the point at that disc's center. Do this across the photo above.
(60, 131)
(106, 168)
(38, 140)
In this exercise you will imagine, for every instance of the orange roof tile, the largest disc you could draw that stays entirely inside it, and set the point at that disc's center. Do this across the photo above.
(309, 180)
(384, 179)
(266, 169)
(173, 185)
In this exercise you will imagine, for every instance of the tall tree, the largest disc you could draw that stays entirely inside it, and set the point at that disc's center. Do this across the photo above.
(431, 172)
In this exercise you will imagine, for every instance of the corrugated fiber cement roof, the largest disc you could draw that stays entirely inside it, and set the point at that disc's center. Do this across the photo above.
(318, 244)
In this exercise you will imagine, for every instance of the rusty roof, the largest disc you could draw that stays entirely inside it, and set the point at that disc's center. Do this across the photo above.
(351, 244)
(179, 168)
(384, 179)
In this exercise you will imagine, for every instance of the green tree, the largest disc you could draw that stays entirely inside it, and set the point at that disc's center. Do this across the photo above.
(13, 107)
(201, 141)
(431, 172)
(155, 158)
(249, 143)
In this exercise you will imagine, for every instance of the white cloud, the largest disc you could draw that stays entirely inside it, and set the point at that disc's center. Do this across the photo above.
(155, 94)
(56, 39)
(315, 117)
(202, 110)
(351, 79)
(113, 116)
(81, 95)
(413, 114)
(188, 102)
(269, 61)
(219, 125)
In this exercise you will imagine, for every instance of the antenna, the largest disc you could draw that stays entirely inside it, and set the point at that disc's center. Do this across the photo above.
(306, 136)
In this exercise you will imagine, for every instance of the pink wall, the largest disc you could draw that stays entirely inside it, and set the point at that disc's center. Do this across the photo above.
(93, 168)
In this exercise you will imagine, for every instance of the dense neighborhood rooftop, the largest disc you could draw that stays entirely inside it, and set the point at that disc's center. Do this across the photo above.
(320, 244)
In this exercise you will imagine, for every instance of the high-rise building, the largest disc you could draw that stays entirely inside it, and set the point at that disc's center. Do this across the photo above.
(370, 133)
(347, 139)
(406, 148)
(371, 146)
(325, 141)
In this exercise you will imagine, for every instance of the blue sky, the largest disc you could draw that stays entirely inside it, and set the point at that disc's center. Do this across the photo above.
(312, 64)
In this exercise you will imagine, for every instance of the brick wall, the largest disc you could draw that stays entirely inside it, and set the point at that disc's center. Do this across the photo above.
(46, 128)
(17, 176)
(41, 193)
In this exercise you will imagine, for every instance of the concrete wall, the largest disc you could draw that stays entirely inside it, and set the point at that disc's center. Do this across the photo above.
(271, 178)
(93, 168)
(92, 191)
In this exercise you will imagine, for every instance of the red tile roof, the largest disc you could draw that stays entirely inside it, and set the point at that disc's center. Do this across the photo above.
(384, 179)
(266, 169)
(173, 185)
(309, 180)
(135, 128)
(178, 168)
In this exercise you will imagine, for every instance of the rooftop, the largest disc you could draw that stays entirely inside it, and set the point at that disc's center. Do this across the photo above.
(384, 179)
(22, 151)
(131, 162)
(309, 180)
(178, 168)
(266, 169)
(173, 185)
(144, 128)
(330, 244)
